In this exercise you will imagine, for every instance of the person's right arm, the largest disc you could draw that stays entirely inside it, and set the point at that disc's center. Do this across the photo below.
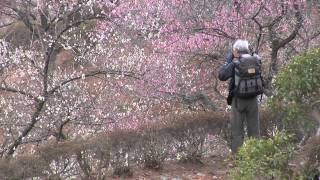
(226, 71)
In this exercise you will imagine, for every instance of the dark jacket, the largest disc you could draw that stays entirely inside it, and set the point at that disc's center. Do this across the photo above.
(227, 72)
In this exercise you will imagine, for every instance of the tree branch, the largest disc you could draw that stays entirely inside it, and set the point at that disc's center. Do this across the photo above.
(25, 17)
(91, 74)
(294, 33)
(54, 44)
(218, 32)
(277, 43)
(34, 119)
(12, 90)
(6, 25)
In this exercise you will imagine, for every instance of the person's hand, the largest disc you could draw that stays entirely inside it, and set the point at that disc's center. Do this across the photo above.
(229, 58)
(236, 54)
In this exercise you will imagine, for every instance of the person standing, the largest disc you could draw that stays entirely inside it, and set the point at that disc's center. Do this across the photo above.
(244, 71)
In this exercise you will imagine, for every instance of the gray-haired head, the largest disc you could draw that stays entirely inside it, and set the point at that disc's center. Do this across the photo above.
(242, 46)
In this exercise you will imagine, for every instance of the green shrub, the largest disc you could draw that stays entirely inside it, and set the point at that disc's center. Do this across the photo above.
(264, 158)
(296, 88)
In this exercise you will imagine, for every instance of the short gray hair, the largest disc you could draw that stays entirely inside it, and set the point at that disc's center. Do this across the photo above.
(241, 45)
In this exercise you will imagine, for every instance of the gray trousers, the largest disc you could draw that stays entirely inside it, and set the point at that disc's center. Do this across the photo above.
(243, 110)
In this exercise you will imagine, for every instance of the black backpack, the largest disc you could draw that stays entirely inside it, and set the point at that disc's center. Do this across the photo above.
(248, 79)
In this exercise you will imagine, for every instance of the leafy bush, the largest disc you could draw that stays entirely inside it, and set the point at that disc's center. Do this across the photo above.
(24, 168)
(116, 152)
(270, 122)
(297, 91)
(122, 142)
(264, 158)
(154, 147)
(190, 131)
(296, 88)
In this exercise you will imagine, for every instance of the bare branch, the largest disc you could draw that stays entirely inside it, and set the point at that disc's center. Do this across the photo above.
(6, 25)
(217, 31)
(294, 33)
(60, 135)
(12, 90)
(91, 74)
(277, 43)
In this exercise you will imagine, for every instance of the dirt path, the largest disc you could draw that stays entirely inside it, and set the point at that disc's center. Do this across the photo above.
(216, 168)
